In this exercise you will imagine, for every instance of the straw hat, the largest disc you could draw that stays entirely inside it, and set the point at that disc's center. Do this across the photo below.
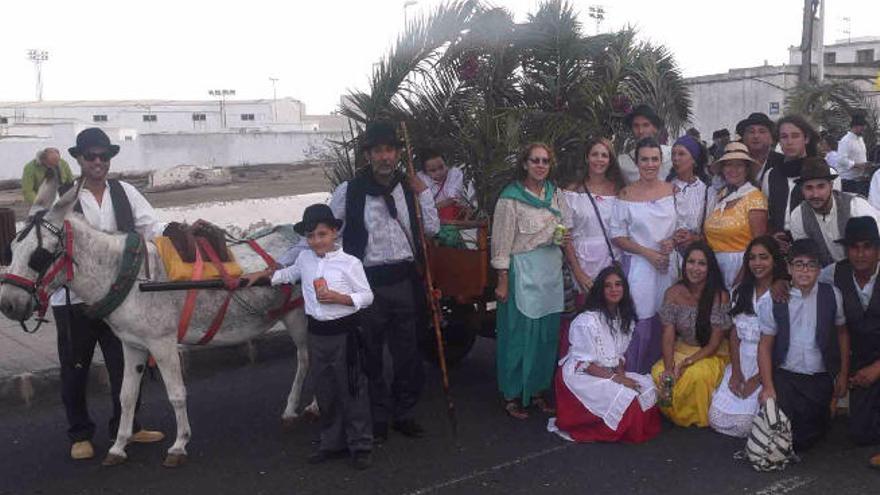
(735, 151)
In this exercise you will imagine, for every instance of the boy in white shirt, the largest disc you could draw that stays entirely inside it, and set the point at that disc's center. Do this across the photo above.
(335, 289)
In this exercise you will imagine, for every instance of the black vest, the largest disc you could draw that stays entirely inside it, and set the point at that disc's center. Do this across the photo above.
(779, 192)
(863, 324)
(121, 205)
(826, 334)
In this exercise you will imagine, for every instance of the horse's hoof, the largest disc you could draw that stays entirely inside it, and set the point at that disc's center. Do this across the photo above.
(174, 460)
(113, 460)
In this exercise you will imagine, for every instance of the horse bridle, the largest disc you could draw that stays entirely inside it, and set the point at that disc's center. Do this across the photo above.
(48, 265)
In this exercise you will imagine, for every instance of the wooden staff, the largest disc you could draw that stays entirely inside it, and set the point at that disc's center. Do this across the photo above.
(429, 285)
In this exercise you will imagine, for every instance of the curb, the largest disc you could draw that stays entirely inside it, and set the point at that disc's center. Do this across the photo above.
(43, 387)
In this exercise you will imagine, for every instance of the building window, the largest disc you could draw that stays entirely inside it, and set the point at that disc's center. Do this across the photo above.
(149, 118)
(830, 58)
(247, 116)
(4, 120)
(865, 56)
(198, 117)
(99, 118)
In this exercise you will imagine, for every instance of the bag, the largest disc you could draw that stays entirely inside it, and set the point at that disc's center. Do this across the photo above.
(769, 446)
(176, 269)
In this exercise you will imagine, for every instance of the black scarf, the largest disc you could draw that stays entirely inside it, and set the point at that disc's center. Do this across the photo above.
(354, 242)
(779, 192)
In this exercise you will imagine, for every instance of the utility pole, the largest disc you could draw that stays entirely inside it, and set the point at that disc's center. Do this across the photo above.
(274, 99)
(597, 12)
(820, 40)
(806, 69)
(38, 57)
(221, 94)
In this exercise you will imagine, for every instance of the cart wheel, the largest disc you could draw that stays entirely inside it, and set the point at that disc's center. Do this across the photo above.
(458, 335)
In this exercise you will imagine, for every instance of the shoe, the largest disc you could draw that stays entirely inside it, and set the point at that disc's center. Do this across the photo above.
(515, 410)
(875, 461)
(361, 459)
(543, 406)
(409, 428)
(147, 436)
(380, 433)
(82, 450)
(322, 456)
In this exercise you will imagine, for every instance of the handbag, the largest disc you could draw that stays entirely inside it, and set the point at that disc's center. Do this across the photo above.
(769, 446)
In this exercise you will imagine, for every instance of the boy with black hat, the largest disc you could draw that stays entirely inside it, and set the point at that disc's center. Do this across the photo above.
(644, 122)
(803, 355)
(856, 278)
(335, 290)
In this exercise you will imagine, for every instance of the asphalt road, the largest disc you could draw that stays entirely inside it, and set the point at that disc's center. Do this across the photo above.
(238, 447)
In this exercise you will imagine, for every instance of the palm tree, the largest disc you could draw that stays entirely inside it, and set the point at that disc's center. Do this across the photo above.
(473, 83)
(831, 104)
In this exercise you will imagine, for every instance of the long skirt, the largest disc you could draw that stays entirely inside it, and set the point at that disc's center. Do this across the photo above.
(864, 415)
(526, 350)
(806, 400)
(730, 414)
(692, 392)
(645, 348)
(575, 422)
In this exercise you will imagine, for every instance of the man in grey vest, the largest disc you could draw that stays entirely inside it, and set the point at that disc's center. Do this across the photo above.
(856, 278)
(803, 355)
(824, 212)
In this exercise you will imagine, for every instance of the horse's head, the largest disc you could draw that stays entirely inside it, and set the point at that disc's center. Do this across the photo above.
(39, 254)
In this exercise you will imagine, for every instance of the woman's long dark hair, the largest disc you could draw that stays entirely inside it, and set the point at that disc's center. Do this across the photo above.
(742, 296)
(711, 292)
(612, 173)
(626, 309)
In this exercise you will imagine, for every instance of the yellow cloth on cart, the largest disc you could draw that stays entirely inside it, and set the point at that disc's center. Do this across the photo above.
(177, 270)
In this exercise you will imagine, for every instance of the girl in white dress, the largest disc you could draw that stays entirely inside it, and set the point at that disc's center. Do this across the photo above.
(596, 399)
(592, 204)
(643, 225)
(735, 401)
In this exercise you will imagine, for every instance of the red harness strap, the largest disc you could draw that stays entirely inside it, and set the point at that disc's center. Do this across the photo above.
(65, 262)
(231, 284)
(286, 290)
(189, 304)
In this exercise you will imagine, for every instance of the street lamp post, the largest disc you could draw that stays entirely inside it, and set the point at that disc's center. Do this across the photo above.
(38, 57)
(597, 12)
(221, 94)
(274, 99)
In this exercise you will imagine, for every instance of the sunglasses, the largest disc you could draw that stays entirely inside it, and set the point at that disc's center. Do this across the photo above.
(90, 157)
(545, 161)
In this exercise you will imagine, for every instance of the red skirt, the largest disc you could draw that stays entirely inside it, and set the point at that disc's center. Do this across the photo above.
(577, 421)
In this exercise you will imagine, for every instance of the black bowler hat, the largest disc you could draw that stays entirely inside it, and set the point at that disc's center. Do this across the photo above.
(756, 118)
(380, 133)
(720, 133)
(860, 229)
(646, 111)
(92, 138)
(315, 214)
(813, 168)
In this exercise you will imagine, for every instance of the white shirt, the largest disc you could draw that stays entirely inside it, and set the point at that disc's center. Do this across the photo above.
(864, 293)
(804, 356)
(451, 188)
(832, 158)
(851, 150)
(344, 274)
(102, 217)
(693, 203)
(859, 207)
(386, 241)
(631, 170)
(874, 191)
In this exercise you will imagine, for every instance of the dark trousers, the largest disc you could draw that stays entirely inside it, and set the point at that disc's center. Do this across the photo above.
(860, 186)
(345, 417)
(392, 319)
(77, 336)
(864, 415)
(806, 400)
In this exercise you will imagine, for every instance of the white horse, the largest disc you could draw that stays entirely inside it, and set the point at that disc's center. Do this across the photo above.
(145, 322)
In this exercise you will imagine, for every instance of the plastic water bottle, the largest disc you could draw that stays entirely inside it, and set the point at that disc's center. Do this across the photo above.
(666, 392)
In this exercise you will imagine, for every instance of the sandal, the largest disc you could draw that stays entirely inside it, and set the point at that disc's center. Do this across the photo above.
(515, 410)
(542, 405)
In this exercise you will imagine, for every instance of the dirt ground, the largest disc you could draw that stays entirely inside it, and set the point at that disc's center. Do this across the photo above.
(248, 182)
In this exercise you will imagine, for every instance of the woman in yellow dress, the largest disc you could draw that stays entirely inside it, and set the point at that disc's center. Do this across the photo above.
(695, 321)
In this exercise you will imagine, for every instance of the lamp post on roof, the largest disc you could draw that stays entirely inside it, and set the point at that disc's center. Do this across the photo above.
(38, 57)
(597, 12)
(274, 99)
(221, 94)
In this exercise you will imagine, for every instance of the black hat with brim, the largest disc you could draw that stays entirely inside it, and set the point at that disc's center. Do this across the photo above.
(316, 214)
(645, 111)
(860, 229)
(756, 118)
(814, 168)
(380, 133)
(92, 138)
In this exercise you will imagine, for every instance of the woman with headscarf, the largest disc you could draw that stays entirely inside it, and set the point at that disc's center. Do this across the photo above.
(695, 322)
(529, 290)
(739, 213)
(693, 196)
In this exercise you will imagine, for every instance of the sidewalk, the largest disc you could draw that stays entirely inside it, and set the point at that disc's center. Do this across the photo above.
(29, 369)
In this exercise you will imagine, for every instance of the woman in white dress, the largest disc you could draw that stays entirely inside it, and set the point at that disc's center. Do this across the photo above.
(597, 401)
(694, 198)
(592, 206)
(643, 225)
(735, 401)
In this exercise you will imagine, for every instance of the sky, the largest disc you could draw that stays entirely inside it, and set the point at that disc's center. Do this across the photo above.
(318, 50)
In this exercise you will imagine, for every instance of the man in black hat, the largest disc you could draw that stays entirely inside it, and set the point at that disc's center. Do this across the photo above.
(804, 351)
(112, 206)
(856, 278)
(758, 133)
(644, 122)
(824, 212)
(381, 229)
(852, 157)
